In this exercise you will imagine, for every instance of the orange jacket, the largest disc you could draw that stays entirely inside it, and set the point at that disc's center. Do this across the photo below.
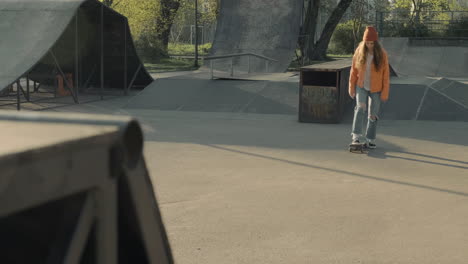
(380, 80)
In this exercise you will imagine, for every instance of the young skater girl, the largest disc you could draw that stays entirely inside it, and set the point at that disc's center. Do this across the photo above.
(369, 78)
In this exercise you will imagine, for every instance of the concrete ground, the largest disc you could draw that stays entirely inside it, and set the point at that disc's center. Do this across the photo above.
(238, 186)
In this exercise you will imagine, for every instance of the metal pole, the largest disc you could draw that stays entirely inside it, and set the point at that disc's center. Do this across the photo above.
(248, 61)
(376, 23)
(266, 66)
(125, 57)
(134, 76)
(68, 84)
(76, 58)
(191, 35)
(106, 223)
(381, 24)
(27, 87)
(232, 66)
(18, 106)
(196, 34)
(102, 52)
(211, 67)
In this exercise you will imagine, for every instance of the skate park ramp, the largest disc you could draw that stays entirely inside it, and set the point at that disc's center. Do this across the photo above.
(428, 57)
(431, 83)
(43, 37)
(234, 96)
(268, 28)
(441, 100)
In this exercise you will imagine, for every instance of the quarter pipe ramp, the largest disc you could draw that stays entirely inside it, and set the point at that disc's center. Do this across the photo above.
(413, 57)
(43, 38)
(265, 27)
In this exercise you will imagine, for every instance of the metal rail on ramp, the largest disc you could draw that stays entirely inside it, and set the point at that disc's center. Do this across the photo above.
(232, 56)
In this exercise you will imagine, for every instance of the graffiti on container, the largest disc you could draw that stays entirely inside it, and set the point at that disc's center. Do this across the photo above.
(320, 102)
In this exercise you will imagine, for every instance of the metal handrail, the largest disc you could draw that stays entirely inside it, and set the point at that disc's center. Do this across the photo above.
(232, 56)
(239, 55)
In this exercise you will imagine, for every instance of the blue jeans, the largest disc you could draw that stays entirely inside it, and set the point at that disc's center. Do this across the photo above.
(360, 112)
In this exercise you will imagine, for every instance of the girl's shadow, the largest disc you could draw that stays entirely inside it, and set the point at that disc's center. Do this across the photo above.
(398, 153)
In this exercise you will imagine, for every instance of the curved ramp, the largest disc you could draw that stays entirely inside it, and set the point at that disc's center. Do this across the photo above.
(268, 28)
(31, 31)
(432, 58)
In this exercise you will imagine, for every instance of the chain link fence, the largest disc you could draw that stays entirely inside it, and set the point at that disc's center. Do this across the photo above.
(185, 34)
(446, 24)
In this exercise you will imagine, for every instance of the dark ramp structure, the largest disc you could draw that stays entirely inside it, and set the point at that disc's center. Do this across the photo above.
(269, 28)
(441, 100)
(78, 191)
(81, 41)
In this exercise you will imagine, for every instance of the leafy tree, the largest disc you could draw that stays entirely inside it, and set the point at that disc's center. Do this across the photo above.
(150, 21)
(165, 20)
(342, 41)
(358, 13)
(317, 50)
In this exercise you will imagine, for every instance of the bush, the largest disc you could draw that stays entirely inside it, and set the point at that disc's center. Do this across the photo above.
(342, 41)
(150, 48)
(188, 49)
(458, 28)
(400, 29)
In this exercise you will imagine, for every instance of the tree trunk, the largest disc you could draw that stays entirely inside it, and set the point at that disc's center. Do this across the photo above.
(308, 29)
(168, 11)
(319, 50)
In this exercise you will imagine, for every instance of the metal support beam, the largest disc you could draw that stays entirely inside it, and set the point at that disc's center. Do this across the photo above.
(102, 52)
(82, 231)
(27, 88)
(77, 79)
(106, 228)
(21, 88)
(134, 77)
(211, 69)
(232, 66)
(125, 57)
(65, 80)
(18, 100)
(196, 34)
(90, 76)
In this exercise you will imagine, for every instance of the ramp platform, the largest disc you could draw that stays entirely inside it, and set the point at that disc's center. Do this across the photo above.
(81, 41)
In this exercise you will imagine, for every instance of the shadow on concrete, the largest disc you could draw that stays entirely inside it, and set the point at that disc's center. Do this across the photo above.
(360, 175)
(381, 153)
(219, 96)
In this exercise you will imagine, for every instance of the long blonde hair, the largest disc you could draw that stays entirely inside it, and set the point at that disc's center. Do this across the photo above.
(362, 54)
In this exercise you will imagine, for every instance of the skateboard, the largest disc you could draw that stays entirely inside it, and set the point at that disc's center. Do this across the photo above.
(358, 148)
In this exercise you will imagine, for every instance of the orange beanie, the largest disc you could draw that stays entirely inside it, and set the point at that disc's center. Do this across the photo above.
(370, 34)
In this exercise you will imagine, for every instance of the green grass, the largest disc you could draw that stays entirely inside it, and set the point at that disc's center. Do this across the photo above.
(340, 56)
(172, 64)
(187, 49)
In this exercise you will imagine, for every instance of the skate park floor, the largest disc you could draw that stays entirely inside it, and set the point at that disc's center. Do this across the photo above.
(240, 180)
